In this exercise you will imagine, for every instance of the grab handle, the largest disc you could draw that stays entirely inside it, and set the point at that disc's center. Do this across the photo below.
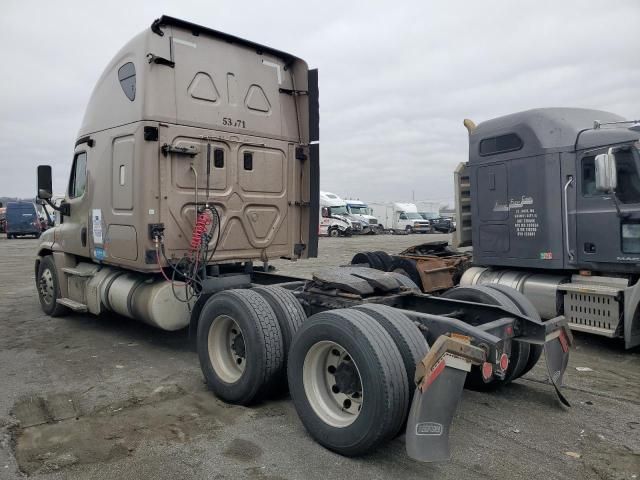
(566, 218)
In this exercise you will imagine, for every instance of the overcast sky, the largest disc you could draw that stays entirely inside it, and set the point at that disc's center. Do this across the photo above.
(396, 78)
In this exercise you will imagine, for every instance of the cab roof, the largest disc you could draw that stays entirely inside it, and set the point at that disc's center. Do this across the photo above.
(545, 130)
(166, 20)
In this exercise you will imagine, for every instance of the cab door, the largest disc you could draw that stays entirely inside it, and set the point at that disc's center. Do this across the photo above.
(603, 235)
(74, 227)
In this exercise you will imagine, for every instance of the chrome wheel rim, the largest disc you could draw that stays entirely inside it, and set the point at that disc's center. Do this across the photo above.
(45, 286)
(332, 384)
(227, 350)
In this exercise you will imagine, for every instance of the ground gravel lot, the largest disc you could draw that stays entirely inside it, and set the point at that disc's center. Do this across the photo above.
(106, 398)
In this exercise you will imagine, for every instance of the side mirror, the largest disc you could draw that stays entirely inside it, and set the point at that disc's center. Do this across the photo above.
(606, 174)
(325, 212)
(45, 189)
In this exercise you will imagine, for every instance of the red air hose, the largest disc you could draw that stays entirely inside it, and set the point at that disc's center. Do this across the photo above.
(202, 222)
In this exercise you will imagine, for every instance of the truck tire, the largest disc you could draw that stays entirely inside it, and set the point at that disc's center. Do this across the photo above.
(407, 336)
(360, 258)
(519, 351)
(385, 259)
(408, 268)
(526, 308)
(369, 258)
(49, 288)
(290, 316)
(408, 229)
(405, 281)
(334, 232)
(337, 356)
(239, 345)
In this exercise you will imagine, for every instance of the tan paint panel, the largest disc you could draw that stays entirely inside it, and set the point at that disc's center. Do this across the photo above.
(262, 220)
(122, 172)
(268, 173)
(122, 242)
(247, 85)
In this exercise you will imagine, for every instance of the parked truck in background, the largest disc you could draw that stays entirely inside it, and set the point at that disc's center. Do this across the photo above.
(400, 217)
(198, 155)
(335, 214)
(360, 210)
(430, 210)
(550, 202)
(334, 221)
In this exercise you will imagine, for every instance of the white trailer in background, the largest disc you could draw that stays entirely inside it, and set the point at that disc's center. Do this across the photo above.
(360, 210)
(400, 217)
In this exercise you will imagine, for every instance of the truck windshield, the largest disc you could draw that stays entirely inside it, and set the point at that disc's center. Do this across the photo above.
(628, 190)
(341, 210)
(358, 209)
(413, 216)
(429, 215)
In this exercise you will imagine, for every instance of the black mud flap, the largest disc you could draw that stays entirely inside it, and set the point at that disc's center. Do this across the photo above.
(440, 380)
(556, 351)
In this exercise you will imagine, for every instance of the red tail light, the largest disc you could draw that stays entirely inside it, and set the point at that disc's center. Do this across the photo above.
(504, 362)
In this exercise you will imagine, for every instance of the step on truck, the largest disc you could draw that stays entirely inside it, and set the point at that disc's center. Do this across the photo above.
(197, 162)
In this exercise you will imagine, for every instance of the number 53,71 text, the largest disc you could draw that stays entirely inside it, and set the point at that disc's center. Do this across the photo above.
(230, 122)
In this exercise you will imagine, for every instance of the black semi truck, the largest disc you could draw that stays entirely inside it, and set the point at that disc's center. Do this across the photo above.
(550, 201)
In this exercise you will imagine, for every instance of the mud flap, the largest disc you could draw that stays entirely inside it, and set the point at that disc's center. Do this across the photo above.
(556, 351)
(440, 380)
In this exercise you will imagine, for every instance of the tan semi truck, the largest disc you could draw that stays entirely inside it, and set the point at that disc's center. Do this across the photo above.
(198, 155)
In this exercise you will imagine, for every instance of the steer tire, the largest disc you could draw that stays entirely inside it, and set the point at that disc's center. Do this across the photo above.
(290, 316)
(47, 271)
(526, 308)
(519, 351)
(261, 340)
(382, 378)
(385, 259)
(407, 267)
(407, 336)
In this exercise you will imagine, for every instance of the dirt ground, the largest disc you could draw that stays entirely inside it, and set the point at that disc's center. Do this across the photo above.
(102, 398)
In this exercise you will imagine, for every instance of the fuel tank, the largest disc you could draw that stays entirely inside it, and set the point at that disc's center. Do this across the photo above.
(540, 289)
(138, 296)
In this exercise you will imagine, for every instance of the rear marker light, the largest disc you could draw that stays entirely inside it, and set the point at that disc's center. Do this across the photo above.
(504, 362)
(487, 371)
